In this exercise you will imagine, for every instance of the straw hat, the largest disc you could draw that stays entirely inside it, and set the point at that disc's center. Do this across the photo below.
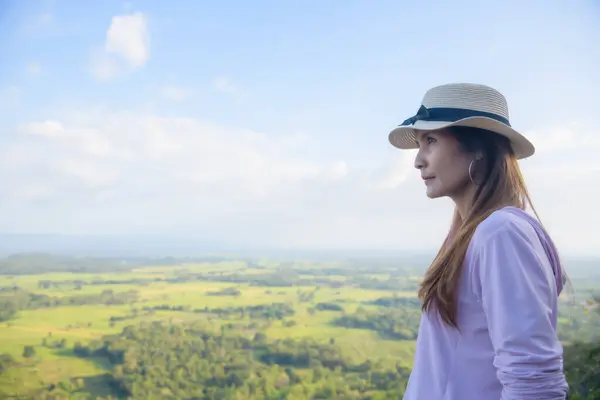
(461, 104)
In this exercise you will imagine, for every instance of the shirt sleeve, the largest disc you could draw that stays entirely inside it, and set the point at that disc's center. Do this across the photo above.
(517, 293)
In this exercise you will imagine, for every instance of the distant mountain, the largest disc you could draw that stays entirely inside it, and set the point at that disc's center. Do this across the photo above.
(170, 246)
(106, 246)
(154, 246)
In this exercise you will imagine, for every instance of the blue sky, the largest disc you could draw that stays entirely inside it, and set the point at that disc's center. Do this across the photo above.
(265, 123)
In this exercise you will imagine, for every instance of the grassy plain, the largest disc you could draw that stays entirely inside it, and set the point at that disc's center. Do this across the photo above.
(87, 322)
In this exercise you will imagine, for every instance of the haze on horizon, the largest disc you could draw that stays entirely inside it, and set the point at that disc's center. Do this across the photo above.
(266, 127)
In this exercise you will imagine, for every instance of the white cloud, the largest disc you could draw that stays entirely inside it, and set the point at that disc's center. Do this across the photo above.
(553, 139)
(128, 37)
(128, 172)
(88, 172)
(394, 172)
(47, 128)
(126, 48)
(85, 140)
(175, 93)
(103, 67)
(337, 171)
(562, 151)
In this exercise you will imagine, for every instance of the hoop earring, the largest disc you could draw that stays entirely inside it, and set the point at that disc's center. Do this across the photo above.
(471, 174)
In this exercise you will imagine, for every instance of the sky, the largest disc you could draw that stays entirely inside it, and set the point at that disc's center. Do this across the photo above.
(265, 123)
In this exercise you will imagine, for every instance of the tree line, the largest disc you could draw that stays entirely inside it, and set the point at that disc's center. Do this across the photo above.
(392, 323)
(12, 302)
(39, 263)
(268, 311)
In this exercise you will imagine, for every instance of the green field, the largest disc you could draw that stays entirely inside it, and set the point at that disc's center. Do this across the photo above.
(86, 322)
(184, 296)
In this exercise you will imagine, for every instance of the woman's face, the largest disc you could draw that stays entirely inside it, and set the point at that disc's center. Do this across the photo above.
(443, 164)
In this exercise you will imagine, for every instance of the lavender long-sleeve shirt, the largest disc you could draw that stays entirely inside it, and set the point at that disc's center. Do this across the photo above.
(507, 347)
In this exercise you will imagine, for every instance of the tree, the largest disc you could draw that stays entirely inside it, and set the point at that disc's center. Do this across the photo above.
(582, 366)
(6, 361)
(28, 351)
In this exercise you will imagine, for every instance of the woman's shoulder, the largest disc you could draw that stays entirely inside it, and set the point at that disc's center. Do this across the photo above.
(511, 230)
(510, 243)
(507, 221)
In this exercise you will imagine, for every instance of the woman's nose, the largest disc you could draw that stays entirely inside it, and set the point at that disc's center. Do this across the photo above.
(419, 163)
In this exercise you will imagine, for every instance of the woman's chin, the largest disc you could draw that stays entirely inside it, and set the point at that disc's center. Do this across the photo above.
(435, 194)
(432, 194)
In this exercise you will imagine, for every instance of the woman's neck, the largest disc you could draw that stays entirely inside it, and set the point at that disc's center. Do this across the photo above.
(464, 201)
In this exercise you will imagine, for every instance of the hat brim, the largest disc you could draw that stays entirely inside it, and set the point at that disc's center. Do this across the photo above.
(403, 137)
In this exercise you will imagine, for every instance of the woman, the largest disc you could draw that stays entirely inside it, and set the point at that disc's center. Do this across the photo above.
(488, 329)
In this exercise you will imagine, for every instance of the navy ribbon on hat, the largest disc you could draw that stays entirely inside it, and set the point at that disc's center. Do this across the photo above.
(450, 115)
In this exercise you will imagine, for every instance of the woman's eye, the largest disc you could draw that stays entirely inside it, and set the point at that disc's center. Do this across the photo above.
(430, 140)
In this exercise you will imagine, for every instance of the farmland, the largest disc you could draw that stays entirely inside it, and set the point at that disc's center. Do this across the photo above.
(268, 329)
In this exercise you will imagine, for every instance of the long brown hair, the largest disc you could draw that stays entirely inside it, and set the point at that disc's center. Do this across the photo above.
(500, 183)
